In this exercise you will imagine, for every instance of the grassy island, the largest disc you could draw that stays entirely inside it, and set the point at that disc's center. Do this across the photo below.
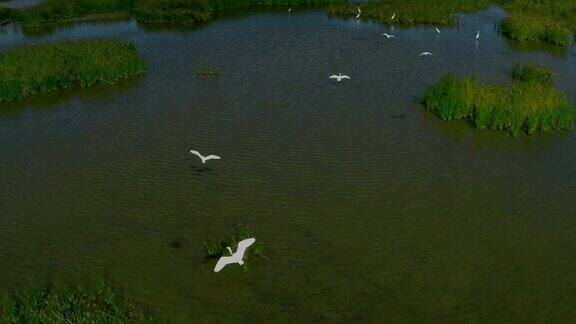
(51, 67)
(97, 302)
(529, 104)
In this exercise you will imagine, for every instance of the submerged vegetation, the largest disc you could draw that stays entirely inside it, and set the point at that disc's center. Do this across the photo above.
(96, 302)
(530, 104)
(207, 70)
(45, 68)
(218, 248)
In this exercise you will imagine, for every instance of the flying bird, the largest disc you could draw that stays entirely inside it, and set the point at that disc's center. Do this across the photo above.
(426, 54)
(388, 35)
(234, 257)
(478, 35)
(205, 158)
(393, 16)
(437, 30)
(339, 77)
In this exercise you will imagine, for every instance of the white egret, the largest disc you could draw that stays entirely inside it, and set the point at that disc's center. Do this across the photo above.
(437, 30)
(205, 158)
(290, 9)
(478, 35)
(426, 54)
(393, 16)
(388, 35)
(339, 77)
(234, 257)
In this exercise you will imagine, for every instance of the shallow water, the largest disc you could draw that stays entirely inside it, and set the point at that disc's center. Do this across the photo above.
(18, 4)
(371, 208)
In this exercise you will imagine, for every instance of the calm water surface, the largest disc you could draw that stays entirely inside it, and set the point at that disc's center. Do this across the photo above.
(370, 208)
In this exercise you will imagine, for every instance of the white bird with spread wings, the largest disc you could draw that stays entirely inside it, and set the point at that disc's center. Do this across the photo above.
(339, 77)
(388, 35)
(234, 257)
(205, 158)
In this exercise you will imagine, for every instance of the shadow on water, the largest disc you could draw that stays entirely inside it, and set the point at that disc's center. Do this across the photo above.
(54, 101)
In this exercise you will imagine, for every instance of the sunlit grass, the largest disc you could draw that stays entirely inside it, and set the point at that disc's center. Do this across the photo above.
(50, 67)
(96, 302)
(530, 104)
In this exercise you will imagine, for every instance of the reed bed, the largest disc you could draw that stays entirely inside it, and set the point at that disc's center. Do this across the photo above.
(529, 104)
(50, 67)
(548, 21)
(51, 11)
(217, 248)
(96, 302)
(410, 12)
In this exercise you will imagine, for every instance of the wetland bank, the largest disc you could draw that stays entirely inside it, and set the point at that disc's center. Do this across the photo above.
(367, 216)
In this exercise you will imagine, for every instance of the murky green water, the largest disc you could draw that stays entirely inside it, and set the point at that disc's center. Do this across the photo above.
(371, 208)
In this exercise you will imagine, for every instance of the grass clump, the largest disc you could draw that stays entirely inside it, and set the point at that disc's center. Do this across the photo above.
(548, 21)
(7, 15)
(96, 302)
(530, 104)
(207, 70)
(409, 12)
(51, 11)
(173, 11)
(219, 248)
(50, 67)
(532, 72)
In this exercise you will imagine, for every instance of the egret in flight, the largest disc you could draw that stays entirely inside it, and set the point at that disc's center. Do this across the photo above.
(205, 158)
(426, 54)
(339, 77)
(388, 35)
(234, 257)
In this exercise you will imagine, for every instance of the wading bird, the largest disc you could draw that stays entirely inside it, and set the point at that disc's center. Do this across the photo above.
(388, 35)
(339, 77)
(205, 158)
(359, 12)
(234, 257)
(478, 35)
(437, 30)
(290, 9)
(426, 54)
(393, 16)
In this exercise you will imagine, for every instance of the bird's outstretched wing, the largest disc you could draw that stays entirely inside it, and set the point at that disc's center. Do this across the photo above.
(197, 154)
(243, 245)
(212, 157)
(345, 77)
(333, 77)
(224, 261)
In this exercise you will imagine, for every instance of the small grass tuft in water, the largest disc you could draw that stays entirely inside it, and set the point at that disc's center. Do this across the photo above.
(45, 68)
(530, 104)
(207, 70)
(96, 302)
(218, 248)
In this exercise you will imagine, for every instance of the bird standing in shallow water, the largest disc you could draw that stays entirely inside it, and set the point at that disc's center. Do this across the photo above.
(478, 35)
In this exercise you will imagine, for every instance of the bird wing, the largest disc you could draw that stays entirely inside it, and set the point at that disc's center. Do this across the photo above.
(243, 245)
(222, 262)
(345, 77)
(333, 77)
(212, 157)
(196, 153)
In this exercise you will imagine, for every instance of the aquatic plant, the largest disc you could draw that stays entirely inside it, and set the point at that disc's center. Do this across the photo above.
(532, 72)
(51, 67)
(7, 15)
(218, 248)
(409, 12)
(530, 104)
(207, 70)
(548, 21)
(96, 302)
(172, 11)
(50, 11)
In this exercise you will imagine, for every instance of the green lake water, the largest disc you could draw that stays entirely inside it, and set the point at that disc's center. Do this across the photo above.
(371, 209)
